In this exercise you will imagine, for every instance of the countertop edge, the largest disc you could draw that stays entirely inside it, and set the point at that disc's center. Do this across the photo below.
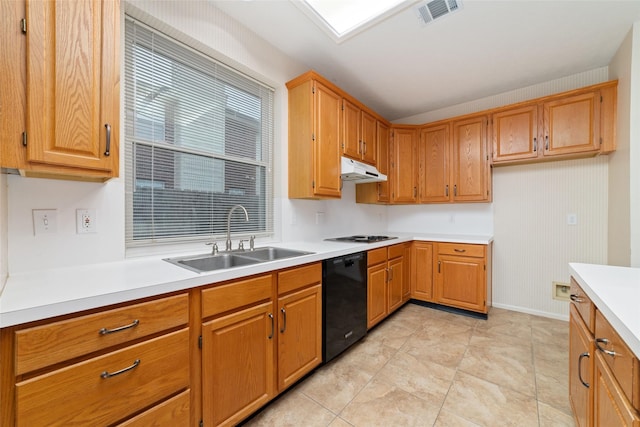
(25, 299)
(588, 277)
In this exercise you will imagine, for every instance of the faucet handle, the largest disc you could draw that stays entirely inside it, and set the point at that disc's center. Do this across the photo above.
(214, 249)
(241, 244)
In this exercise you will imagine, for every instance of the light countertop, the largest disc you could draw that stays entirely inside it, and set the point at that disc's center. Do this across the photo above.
(43, 294)
(615, 291)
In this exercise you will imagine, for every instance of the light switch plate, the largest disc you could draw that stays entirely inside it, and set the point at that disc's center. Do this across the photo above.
(45, 221)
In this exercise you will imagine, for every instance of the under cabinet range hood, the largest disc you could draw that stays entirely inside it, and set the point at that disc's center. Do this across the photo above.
(353, 170)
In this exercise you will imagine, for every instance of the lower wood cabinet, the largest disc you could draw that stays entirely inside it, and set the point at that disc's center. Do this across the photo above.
(123, 365)
(264, 334)
(581, 358)
(237, 364)
(463, 276)
(604, 375)
(422, 271)
(386, 288)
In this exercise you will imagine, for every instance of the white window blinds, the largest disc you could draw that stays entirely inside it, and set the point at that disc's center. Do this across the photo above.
(198, 140)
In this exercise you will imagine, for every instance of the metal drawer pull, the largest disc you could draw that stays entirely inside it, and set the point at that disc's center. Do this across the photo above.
(583, 355)
(604, 350)
(106, 374)
(575, 298)
(284, 320)
(105, 331)
(272, 325)
(460, 250)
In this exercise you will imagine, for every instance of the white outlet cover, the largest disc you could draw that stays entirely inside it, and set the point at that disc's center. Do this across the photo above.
(85, 221)
(572, 219)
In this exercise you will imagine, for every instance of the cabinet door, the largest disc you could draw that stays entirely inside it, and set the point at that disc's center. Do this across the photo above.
(572, 125)
(299, 334)
(581, 357)
(396, 283)
(350, 130)
(237, 364)
(383, 135)
(406, 277)
(404, 166)
(73, 84)
(460, 282)
(433, 158)
(326, 165)
(368, 137)
(515, 134)
(376, 294)
(422, 271)
(610, 406)
(470, 160)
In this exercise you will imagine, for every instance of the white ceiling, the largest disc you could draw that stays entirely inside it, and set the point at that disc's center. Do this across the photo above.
(400, 68)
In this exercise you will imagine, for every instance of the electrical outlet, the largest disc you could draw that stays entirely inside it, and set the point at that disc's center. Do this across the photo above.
(561, 291)
(85, 221)
(45, 221)
(572, 219)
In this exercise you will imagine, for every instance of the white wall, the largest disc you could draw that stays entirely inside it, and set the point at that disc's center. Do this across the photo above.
(619, 244)
(211, 31)
(624, 173)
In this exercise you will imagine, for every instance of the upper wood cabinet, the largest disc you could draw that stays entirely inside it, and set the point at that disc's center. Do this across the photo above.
(358, 133)
(471, 175)
(453, 162)
(403, 174)
(433, 159)
(378, 192)
(579, 123)
(315, 113)
(72, 85)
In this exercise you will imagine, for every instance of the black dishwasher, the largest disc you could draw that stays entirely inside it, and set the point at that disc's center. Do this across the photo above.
(344, 303)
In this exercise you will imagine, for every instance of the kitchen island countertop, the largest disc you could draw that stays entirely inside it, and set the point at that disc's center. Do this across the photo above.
(43, 294)
(615, 291)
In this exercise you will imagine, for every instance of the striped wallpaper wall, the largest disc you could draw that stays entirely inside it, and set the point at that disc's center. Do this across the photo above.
(532, 242)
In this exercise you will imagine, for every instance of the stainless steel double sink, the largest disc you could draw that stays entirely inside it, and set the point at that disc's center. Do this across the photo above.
(212, 262)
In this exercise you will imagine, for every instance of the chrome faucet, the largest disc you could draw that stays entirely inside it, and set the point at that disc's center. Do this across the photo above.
(246, 215)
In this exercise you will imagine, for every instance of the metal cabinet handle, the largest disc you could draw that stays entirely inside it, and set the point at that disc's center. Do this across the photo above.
(446, 190)
(364, 145)
(455, 190)
(546, 142)
(107, 150)
(272, 325)
(415, 191)
(284, 320)
(583, 355)
(460, 250)
(438, 266)
(575, 298)
(604, 350)
(535, 144)
(390, 270)
(105, 331)
(107, 374)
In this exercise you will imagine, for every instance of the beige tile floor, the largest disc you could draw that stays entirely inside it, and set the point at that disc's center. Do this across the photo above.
(425, 367)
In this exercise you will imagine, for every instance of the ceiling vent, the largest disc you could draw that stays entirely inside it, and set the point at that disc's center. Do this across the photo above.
(430, 11)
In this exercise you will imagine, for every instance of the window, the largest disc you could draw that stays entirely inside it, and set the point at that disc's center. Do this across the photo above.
(198, 140)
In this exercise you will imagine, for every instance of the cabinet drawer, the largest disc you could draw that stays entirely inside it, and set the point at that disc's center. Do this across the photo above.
(610, 406)
(173, 412)
(376, 256)
(81, 394)
(623, 363)
(56, 342)
(300, 277)
(236, 294)
(583, 304)
(476, 251)
(395, 251)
